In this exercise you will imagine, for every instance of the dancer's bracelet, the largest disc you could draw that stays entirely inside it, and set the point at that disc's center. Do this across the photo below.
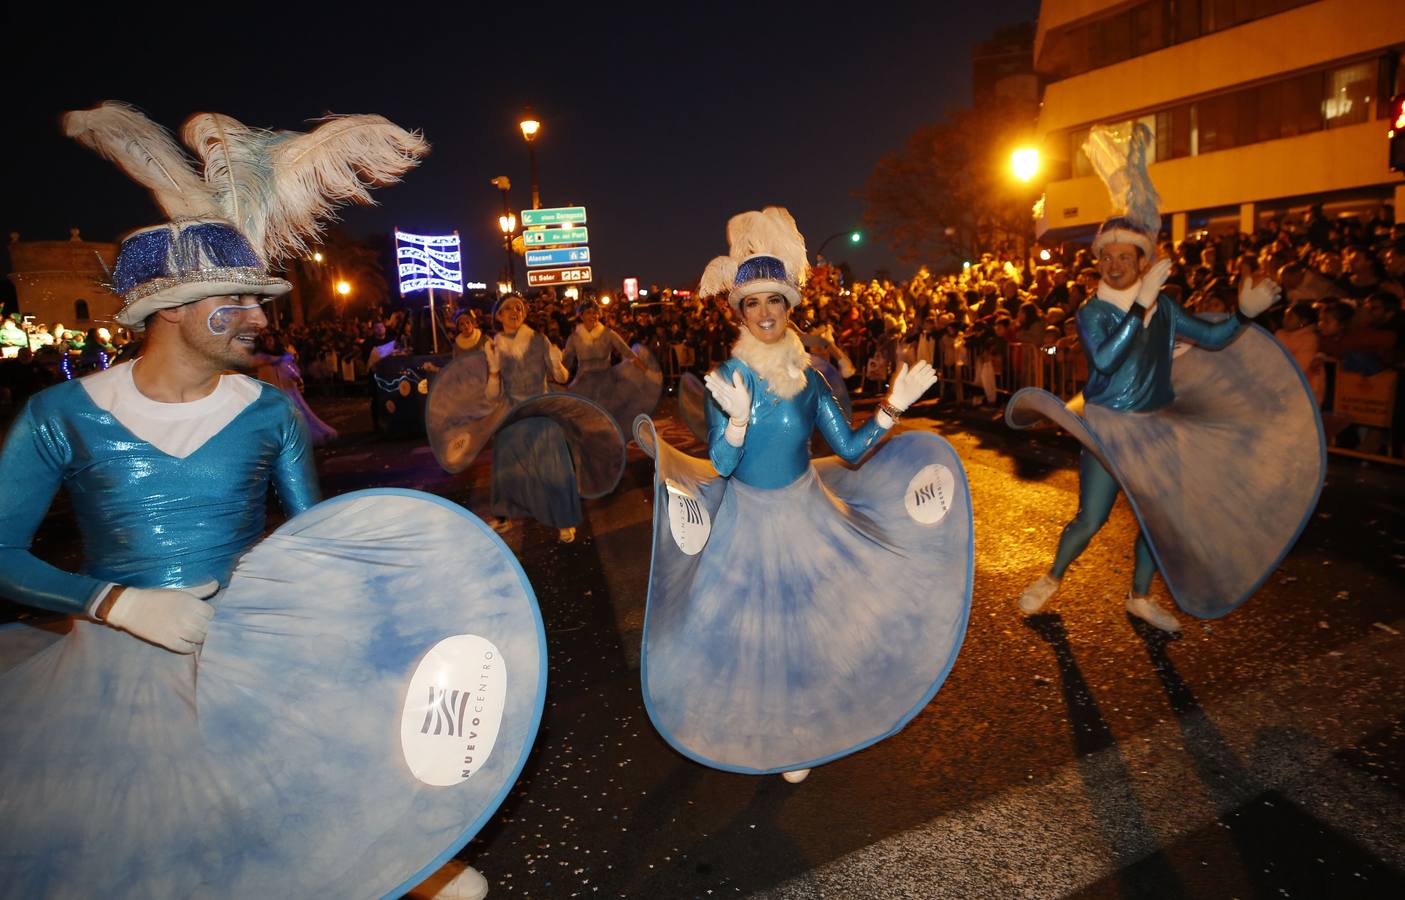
(893, 412)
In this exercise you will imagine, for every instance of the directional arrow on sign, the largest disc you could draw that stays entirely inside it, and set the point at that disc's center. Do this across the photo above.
(562, 215)
(562, 256)
(548, 237)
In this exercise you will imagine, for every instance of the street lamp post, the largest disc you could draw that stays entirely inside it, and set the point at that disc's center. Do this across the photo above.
(508, 223)
(854, 237)
(1024, 165)
(530, 126)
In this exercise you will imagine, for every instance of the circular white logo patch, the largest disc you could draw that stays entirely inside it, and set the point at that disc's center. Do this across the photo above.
(687, 520)
(930, 494)
(453, 710)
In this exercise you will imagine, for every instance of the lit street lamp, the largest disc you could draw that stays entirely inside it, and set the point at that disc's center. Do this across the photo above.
(530, 126)
(855, 237)
(1024, 162)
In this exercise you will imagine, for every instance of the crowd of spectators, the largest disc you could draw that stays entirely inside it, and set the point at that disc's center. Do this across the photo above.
(991, 327)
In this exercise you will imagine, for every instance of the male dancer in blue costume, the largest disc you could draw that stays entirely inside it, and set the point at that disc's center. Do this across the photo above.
(168, 458)
(1128, 330)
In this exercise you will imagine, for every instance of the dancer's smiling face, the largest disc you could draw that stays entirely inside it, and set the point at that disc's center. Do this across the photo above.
(511, 315)
(1121, 265)
(765, 316)
(590, 317)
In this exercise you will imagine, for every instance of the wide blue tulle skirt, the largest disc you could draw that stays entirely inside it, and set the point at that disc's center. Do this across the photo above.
(367, 694)
(786, 628)
(623, 390)
(1223, 480)
(550, 450)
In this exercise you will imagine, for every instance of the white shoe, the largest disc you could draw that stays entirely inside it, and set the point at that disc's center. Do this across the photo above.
(453, 881)
(567, 535)
(1037, 594)
(1151, 612)
(796, 776)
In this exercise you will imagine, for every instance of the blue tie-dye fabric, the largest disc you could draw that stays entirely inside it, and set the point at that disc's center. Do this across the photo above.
(819, 618)
(269, 765)
(1223, 479)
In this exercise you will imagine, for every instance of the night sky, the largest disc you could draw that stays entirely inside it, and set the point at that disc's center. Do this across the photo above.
(661, 125)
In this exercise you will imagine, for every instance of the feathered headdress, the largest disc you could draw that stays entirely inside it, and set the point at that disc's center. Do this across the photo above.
(1121, 164)
(253, 198)
(767, 255)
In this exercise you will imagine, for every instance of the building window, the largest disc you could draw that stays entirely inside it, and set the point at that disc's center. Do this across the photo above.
(80, 310)
(1346, 97)
(1175, 132)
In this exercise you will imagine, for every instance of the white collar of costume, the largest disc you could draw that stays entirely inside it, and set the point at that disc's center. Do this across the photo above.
(468, 340)
(176, 429)
(515, 346)
(782, 364)
(1124, 299)
(592, 334)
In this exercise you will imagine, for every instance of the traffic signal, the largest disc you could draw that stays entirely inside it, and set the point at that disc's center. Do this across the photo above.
(1397, 133)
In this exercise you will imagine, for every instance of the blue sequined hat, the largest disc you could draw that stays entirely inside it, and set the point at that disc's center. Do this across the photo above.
(767, 256)
(511, 295)
(253, 197)
(183, 261)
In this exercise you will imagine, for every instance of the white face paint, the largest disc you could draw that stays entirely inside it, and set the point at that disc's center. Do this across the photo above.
(224, 329)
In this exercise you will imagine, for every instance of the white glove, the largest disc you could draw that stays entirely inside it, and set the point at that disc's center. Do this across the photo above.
(490, 353)
(177, 618)
(910, 384)
(1255, 298)
(734, 398)
(558, 370)
(1155, 277)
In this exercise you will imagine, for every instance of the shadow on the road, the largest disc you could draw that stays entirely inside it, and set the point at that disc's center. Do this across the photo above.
(1278, 847)
(1106, 780)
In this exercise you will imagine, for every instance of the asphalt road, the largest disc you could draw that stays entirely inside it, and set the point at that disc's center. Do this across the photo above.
(1074, 753)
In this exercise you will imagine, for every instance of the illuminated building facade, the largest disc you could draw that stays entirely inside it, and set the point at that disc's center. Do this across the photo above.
(1258, 107)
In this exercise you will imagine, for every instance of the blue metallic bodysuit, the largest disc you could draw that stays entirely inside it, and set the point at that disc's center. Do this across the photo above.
(1129, 364)
(148, 519)
(777, 447)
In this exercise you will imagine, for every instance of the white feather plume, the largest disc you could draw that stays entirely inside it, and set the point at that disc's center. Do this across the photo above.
(718, 277)
(1121, 164)
(334, 163)
(146, 152)
(767, 232)
(771, 232)
(238, 170)
(279, 187)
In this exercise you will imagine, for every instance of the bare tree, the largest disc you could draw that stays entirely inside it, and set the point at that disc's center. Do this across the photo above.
(947, 193)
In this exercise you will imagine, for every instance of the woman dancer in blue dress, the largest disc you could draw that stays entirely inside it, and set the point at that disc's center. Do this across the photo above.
(797, 612)
(628, 389)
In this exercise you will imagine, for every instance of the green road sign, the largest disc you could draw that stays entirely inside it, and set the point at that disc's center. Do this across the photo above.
(562, 215)
(549, 237)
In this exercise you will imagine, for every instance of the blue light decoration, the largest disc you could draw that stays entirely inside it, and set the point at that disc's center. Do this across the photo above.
(428, 262)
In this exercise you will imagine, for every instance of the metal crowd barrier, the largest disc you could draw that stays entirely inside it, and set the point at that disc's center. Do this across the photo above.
(1360, 411)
